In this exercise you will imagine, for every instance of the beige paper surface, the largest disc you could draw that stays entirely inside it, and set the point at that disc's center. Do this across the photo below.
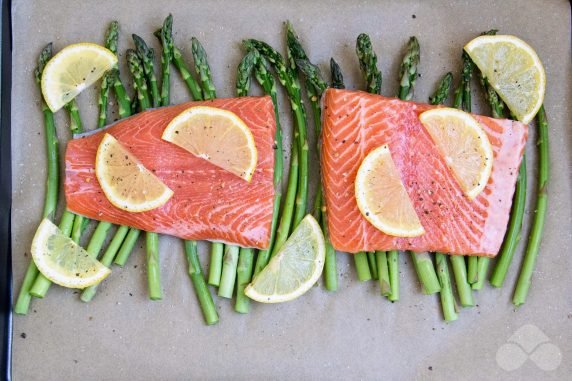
(354, 333)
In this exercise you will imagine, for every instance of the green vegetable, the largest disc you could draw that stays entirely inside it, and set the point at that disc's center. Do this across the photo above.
(525, 276)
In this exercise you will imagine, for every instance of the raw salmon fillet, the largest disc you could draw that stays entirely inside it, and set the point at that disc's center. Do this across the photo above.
(209, 203)
(354, 123)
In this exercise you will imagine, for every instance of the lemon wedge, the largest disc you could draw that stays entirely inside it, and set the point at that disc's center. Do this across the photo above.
(63, 261)
(126, 183)
(73, 69)
(382, 198)
(216, 135)
(513, 69)
(464, 145)
(294, 269)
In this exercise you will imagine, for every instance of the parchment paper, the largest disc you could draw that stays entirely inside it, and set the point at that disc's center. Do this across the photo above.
(352, 334)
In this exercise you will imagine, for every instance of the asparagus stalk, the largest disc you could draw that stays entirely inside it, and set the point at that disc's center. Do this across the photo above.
(408, 69)
(42, 284)
(362, 266)
(442, 92)
(245, 265)
(513, 233)
(209, 92)
(383, 271)
(147, 57)
(466, 75)
(103, 99)
(52, 183)
(368, 64)
(243, 278)
(106, 260)
(254, 61)
(195, 271)
(166, 37)
(151, 238)
(448, 304)
(408, 73)
(228, 277)
(123, 100)
(372, 261)
(127, 247)
(525, 276)
(201, 289)
(446, 294)
(426, 272)
(192, 85)
(215, 268)
(140, 64)
(203, 69)
(337, 76)
(373, 78)
(153, 266)
(315, 86)
(228, 267)
(298, 178)
(458, 262)
(393, 266)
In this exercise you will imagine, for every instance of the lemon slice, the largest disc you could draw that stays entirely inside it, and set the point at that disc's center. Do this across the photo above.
(294, 269)
(74, 68)
(216, 135)
(464, 145)
(382, 198)
(126, 183)
(63, 261)
(513, 69)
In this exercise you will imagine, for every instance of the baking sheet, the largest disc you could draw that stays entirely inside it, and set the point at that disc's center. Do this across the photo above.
(352, 334)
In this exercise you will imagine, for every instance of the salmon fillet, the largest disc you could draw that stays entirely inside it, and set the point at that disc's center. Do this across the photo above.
(209, 203)
(354, 123)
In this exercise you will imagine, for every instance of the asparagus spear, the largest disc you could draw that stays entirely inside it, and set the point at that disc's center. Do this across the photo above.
(408, 73)
(137, 67)
(192, 85)
(147, 57)
(512, 236)
(103, 99)
(140, 86)
(393, 266)
(298, 177)
(230, 253)
(373, 78)
(243, 278)
(368, 64)
(442, 92)
(72, 222)
(362, 266)
(52, 183)
(315, 86)
(195, 271)
(525, 276)
(458, 262)
(166, 38)
(265, 79)
(408, 69)
(201, 289)
(203, 69)
(372, 261)
(383, 271)
(123, 100)
(337, 76)
(209, 92)
(448, 304)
